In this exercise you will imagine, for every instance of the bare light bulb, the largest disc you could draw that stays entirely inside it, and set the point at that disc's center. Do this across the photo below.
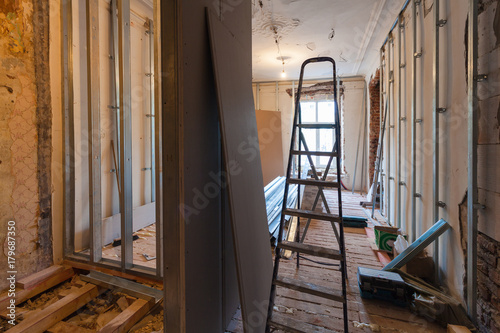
(283, 74)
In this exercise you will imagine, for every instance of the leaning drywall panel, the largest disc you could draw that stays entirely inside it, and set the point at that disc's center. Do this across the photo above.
(270, 144)
(352, 114)
(232, 64)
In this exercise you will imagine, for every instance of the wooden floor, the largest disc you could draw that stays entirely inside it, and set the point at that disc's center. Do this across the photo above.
(364, 315)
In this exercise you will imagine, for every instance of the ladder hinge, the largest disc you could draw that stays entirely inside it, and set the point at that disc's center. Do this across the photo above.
(441, 204)
(481, 77)
(441, 110)
(442, 23)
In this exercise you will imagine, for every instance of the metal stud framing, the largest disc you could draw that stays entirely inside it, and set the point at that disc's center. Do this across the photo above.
(413, 124)
(157, 139)
(94, 137)
(120, 32)
(399, 120)
(435, 131)
(125, 133)
(472, 130)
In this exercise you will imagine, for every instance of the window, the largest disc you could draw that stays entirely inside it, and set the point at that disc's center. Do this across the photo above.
(319, 139)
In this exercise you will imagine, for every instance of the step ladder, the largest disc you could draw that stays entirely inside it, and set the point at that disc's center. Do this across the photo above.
(299, 149)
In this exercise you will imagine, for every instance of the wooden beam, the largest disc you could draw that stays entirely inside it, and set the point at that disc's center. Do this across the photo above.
(34, 279)
(24, 294)
(125, 320)
(41, 321)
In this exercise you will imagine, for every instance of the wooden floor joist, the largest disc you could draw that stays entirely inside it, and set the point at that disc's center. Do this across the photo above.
(125, 320)
(38, 285)
(54, 313)
(35, 279)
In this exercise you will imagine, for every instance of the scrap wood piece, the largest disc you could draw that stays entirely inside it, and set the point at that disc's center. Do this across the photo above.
(34, 279)
(125, 320)
(56, 312)
(291, 236)
(24, 294)
(64, 327)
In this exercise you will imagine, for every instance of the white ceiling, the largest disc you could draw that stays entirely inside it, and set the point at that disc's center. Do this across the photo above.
(304, 29)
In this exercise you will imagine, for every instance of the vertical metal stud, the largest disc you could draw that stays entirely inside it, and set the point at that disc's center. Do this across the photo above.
(400, 84)
(68, 128)
(390, 95)
(413, 129)
(125, 133)
(435, 134)
(152, 118)
(157, 138)
(472, 130)
(94, 128)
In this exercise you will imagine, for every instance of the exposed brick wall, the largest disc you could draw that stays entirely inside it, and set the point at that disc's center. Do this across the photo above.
(488, 302)
(374, 91)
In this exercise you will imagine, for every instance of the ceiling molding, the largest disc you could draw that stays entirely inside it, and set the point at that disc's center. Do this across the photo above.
(370, 29)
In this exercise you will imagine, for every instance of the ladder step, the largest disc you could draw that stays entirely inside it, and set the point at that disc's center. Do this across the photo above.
(287, 324)
(312, 182)
(314, 153)
(309, 288)
(318, 125)
(311, 215)
(314, 250)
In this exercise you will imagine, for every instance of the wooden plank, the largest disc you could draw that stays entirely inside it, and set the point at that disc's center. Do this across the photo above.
(310, 288)
(125, 320)
(34, 279)
(41, 321)
(291, 236)
(231, 61)
(23, 295)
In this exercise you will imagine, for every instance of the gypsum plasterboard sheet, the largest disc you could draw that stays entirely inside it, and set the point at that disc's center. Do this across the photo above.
(232, 71)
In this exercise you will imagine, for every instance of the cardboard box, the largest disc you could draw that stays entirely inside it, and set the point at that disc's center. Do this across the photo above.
(385, 237)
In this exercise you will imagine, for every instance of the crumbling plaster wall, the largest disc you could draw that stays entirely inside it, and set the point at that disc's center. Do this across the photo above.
(25, 134)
